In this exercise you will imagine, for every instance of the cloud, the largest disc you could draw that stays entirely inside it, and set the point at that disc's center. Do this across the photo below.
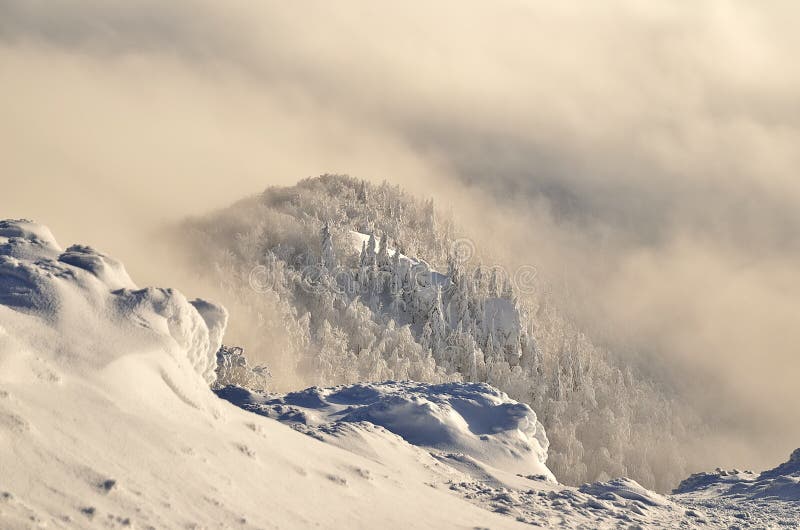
(646, 152)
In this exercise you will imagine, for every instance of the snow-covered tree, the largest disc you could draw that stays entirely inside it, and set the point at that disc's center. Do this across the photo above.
(328, 252)
(234, 370)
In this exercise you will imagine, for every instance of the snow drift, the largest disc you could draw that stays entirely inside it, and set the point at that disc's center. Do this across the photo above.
(80, 292)
(473, 419)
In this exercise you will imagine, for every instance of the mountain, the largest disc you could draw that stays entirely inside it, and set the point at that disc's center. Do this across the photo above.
(337, 281)
(108, 419)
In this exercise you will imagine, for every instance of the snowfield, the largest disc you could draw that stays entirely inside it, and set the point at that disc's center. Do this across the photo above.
(107, 420)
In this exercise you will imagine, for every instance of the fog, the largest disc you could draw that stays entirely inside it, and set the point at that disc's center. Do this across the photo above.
(642, 155)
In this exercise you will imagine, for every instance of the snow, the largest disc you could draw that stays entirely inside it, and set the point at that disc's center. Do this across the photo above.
(107, 420)
(745, 499)
(424, 272)
(503, 317)
(360, 239)
(624, 488)
(471, 419)
(781, 482)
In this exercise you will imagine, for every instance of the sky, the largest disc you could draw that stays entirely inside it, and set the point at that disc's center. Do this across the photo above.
(644, 154)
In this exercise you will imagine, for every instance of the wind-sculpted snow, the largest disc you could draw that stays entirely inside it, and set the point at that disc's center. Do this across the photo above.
(473, 419)
(476, 433)
(789, 468)
(781, 482)
(624, 488)
(82, 289)
(745, 499)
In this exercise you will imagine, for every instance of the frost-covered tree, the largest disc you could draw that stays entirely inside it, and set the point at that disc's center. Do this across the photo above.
(234, 370)
(328, 252)
(382, 259)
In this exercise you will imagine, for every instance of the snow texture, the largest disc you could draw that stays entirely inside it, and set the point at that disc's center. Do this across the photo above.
(81, 288)
(472, 419)
(444, 420)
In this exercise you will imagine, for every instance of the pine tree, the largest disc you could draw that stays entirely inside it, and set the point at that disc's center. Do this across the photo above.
(383, 253)
(558, 385)
(396, 306)
(489, 349)
(479, 283)
(430, 215)
(371, 248)
(508, 290)
(363, 194)
(494, 287)
(362, 260)
(426, 338)
(396, 261)
(328, 253)
(458, 305)
(438, 325)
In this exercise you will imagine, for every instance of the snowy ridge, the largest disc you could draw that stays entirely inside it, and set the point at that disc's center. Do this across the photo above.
(445, 419)
(81, 288)
(472, 419)
(781, 482)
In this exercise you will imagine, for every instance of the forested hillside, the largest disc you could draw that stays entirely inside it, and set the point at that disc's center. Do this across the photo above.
(337, 280)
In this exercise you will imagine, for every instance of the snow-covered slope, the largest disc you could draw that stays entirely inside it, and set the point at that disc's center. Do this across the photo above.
(106, 418)
(477, 431)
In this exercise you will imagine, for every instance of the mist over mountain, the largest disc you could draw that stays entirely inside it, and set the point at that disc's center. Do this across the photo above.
(594, 208)
(643, 156)
(337, 280)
